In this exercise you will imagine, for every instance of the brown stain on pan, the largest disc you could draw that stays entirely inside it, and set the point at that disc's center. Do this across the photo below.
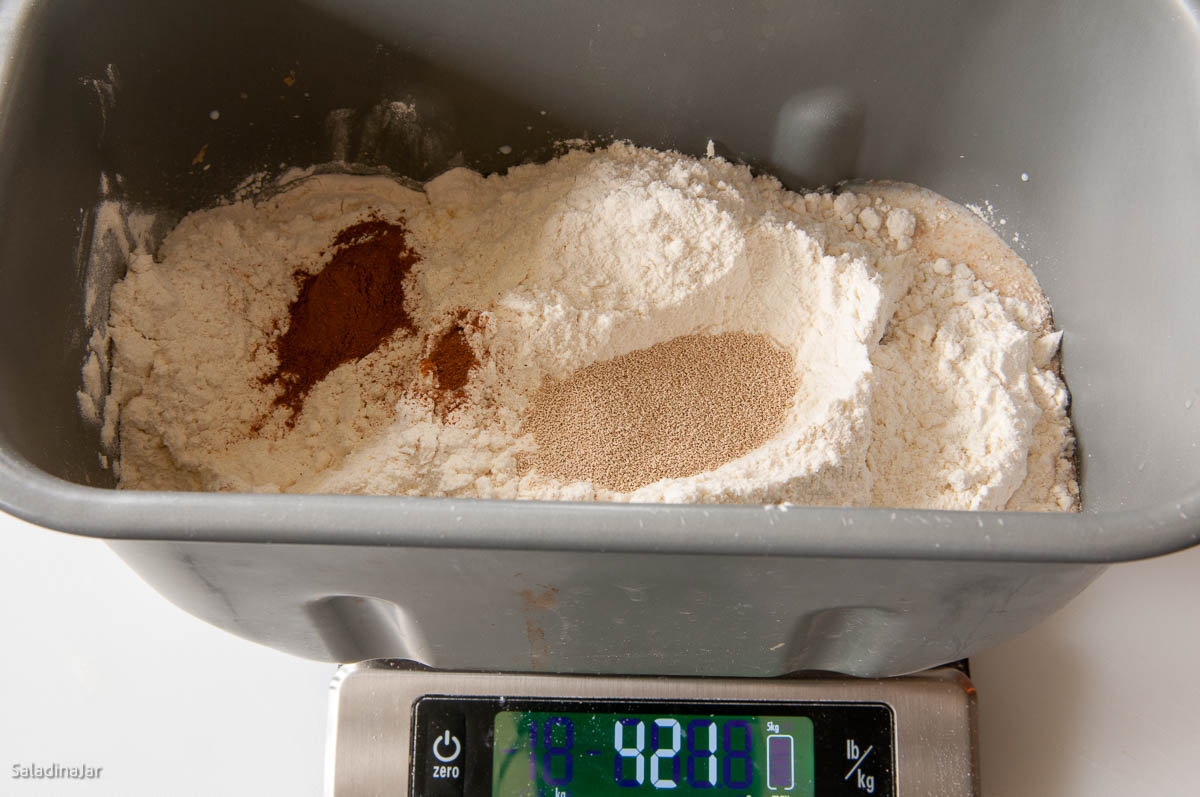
(534, 605)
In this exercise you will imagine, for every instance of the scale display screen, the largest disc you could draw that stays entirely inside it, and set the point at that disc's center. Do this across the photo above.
(621, 754)
(537, 747)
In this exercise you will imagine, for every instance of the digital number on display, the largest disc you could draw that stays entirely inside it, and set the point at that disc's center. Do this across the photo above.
(560, 755)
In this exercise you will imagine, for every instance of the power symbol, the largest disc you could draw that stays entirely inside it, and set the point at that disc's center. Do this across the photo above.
(450, 743)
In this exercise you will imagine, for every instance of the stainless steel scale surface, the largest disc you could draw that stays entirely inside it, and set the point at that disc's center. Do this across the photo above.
(417, 733)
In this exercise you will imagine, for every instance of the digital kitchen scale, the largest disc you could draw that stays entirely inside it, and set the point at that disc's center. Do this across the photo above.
(416, 733)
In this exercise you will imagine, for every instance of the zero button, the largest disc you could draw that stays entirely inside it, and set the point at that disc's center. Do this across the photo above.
(446, 748)
(445, 752)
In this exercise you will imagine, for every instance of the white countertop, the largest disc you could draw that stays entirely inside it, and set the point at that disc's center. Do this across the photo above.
(96, 668)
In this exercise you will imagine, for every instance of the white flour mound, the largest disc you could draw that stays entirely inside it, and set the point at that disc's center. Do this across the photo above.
(923, 347)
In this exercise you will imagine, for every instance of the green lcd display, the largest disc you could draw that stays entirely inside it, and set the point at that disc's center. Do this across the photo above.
(563, 754)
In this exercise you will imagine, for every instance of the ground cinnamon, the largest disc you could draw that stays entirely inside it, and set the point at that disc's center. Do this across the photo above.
(345, 310)
(449, 363)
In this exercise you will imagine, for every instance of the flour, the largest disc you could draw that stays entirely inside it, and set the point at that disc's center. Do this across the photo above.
(918, 383)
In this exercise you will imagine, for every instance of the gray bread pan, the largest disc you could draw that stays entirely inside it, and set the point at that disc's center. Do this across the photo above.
(1078, 122)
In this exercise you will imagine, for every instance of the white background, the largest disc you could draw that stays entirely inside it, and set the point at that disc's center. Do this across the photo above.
(96, 668)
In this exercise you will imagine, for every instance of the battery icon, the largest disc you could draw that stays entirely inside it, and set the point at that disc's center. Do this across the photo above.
(780, 755)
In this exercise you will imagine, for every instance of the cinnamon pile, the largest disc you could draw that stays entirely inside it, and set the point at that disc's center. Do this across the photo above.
(353, 304)
(449, 365)
(345, 310)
